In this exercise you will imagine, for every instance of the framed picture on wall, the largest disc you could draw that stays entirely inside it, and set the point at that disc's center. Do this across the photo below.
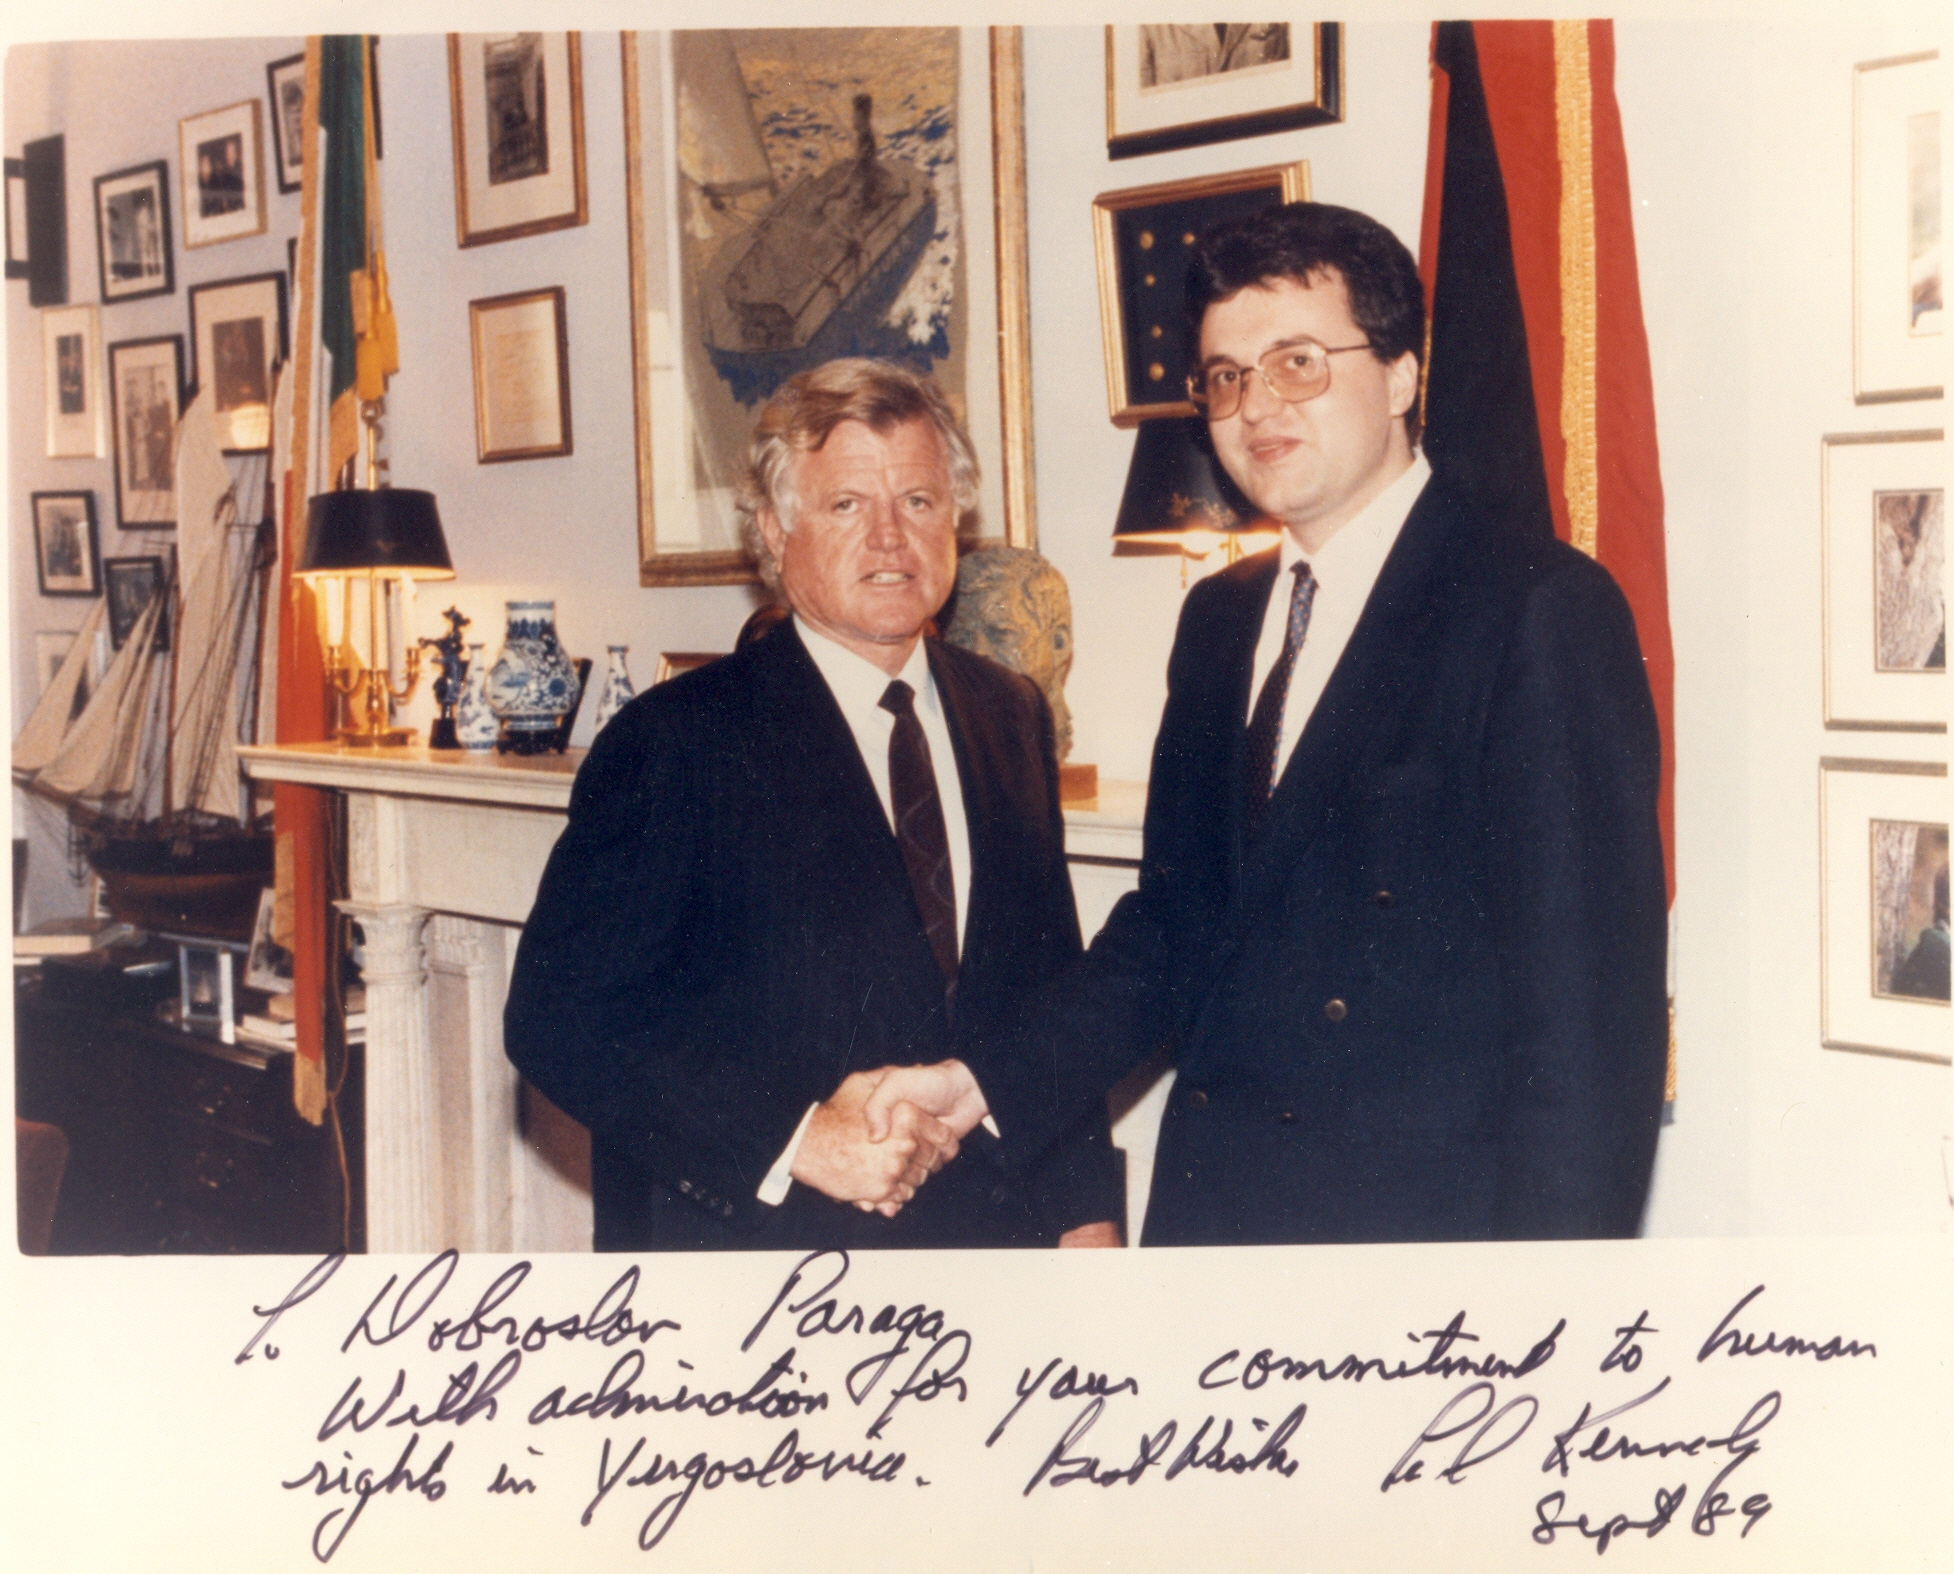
(1883, 867)
(71, 373)
(1178, 85)
(522, 375)
(285, 92)
(66, 557)
(1898, 289)
(221, 153)
(132, 232)
(16, 217)
(516, 101)
(764, 260)
(1143, 240)
(1884, 513)
(131, 583)
(237, 336)
(146, 393)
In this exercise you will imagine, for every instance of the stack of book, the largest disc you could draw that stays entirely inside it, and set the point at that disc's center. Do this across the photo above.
(277, 1024)
(70, 937)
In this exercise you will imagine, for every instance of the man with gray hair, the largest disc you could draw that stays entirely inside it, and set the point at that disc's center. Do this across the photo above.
(836, 850)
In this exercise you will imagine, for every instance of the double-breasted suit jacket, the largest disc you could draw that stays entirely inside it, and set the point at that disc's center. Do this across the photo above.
(1425, 999)
(726, 930)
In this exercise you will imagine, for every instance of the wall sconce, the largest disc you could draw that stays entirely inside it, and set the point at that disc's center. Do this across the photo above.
(1176, 496)
(392, 533)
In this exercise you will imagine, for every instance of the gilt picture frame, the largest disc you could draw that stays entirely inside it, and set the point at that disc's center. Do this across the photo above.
(521, 353)
(516, 114)
(1172, 86)
(945, 120)
(1142, 240)
(222, 156)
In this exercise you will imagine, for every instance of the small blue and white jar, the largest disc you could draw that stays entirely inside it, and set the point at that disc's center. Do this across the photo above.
(475, 724)
(617, 686)
(533, 684)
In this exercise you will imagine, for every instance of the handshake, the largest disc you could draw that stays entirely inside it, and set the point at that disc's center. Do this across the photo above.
(881, 1134)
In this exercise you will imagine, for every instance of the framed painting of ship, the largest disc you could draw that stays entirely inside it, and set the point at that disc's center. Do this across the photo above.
(146, 390)
(1179, 85)
(517, 105)
(817, 193)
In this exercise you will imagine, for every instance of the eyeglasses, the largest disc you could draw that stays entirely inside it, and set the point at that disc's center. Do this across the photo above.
(1293, 373)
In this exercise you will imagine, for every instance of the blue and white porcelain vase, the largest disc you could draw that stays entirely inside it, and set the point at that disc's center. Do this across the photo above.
(532, 685)
(617, 686)
(475, 724)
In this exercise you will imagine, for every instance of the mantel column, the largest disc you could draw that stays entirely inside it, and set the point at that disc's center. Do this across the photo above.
(403, 1150)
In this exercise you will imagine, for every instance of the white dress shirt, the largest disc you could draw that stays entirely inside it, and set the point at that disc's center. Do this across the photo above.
(1346, 568)
(858, 686)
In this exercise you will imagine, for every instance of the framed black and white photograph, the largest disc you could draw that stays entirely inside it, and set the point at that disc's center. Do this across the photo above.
(268, 965)
(130, 584)
(1179, 85)
(71, 370)
(132, 232)
(517, 105)
(522, 375)
(237, 338)
(1898, 289)
(66, 556)
(1883, 852)
(285, 93)
(146, 397)
(221, 154)
(1143, 240)
(1885, 527)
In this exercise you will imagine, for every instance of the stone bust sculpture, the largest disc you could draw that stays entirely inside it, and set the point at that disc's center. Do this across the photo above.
(1012, 606)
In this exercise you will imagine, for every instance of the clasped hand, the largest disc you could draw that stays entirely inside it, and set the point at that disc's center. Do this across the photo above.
(882, 1134)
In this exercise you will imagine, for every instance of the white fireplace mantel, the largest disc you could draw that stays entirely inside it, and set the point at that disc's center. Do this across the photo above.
(444, 852)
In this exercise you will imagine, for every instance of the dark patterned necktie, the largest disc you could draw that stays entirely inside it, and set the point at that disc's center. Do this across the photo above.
(1265, 725)
(920, 831)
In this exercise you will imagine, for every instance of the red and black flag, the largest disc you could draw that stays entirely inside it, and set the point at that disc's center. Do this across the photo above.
(1538, 392)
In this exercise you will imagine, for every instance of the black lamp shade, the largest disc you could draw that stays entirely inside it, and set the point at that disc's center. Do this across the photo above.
(394, 530)
(1174, 484)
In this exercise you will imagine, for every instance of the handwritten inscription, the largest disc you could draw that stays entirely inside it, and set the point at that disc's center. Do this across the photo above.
(842, 1373)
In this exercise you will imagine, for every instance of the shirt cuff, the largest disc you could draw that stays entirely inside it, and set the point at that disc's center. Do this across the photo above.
(990, 1125)
(773, 1190)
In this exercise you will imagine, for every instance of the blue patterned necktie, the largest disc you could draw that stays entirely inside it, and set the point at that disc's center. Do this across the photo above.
(920, 831)
(1265, 724)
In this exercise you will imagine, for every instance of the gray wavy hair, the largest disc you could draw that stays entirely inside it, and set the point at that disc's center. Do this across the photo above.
(809, 406)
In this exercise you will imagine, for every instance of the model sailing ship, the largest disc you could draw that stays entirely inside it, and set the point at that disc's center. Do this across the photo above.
(146, 767)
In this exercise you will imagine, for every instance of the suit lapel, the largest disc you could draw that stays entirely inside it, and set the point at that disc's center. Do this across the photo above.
(825, 784)
(1379, 663)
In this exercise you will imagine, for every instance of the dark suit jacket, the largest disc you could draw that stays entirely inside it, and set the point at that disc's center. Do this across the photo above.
(725, 931)
(1426, 999)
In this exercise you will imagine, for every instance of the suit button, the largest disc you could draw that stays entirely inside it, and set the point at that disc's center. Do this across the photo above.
(1384, 899)
(1335, 1010)
(1197, 1100)
(1286, 1118)
(1000, 1195)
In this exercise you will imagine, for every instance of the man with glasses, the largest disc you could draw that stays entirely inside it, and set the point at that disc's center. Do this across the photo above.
(1401, 914)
